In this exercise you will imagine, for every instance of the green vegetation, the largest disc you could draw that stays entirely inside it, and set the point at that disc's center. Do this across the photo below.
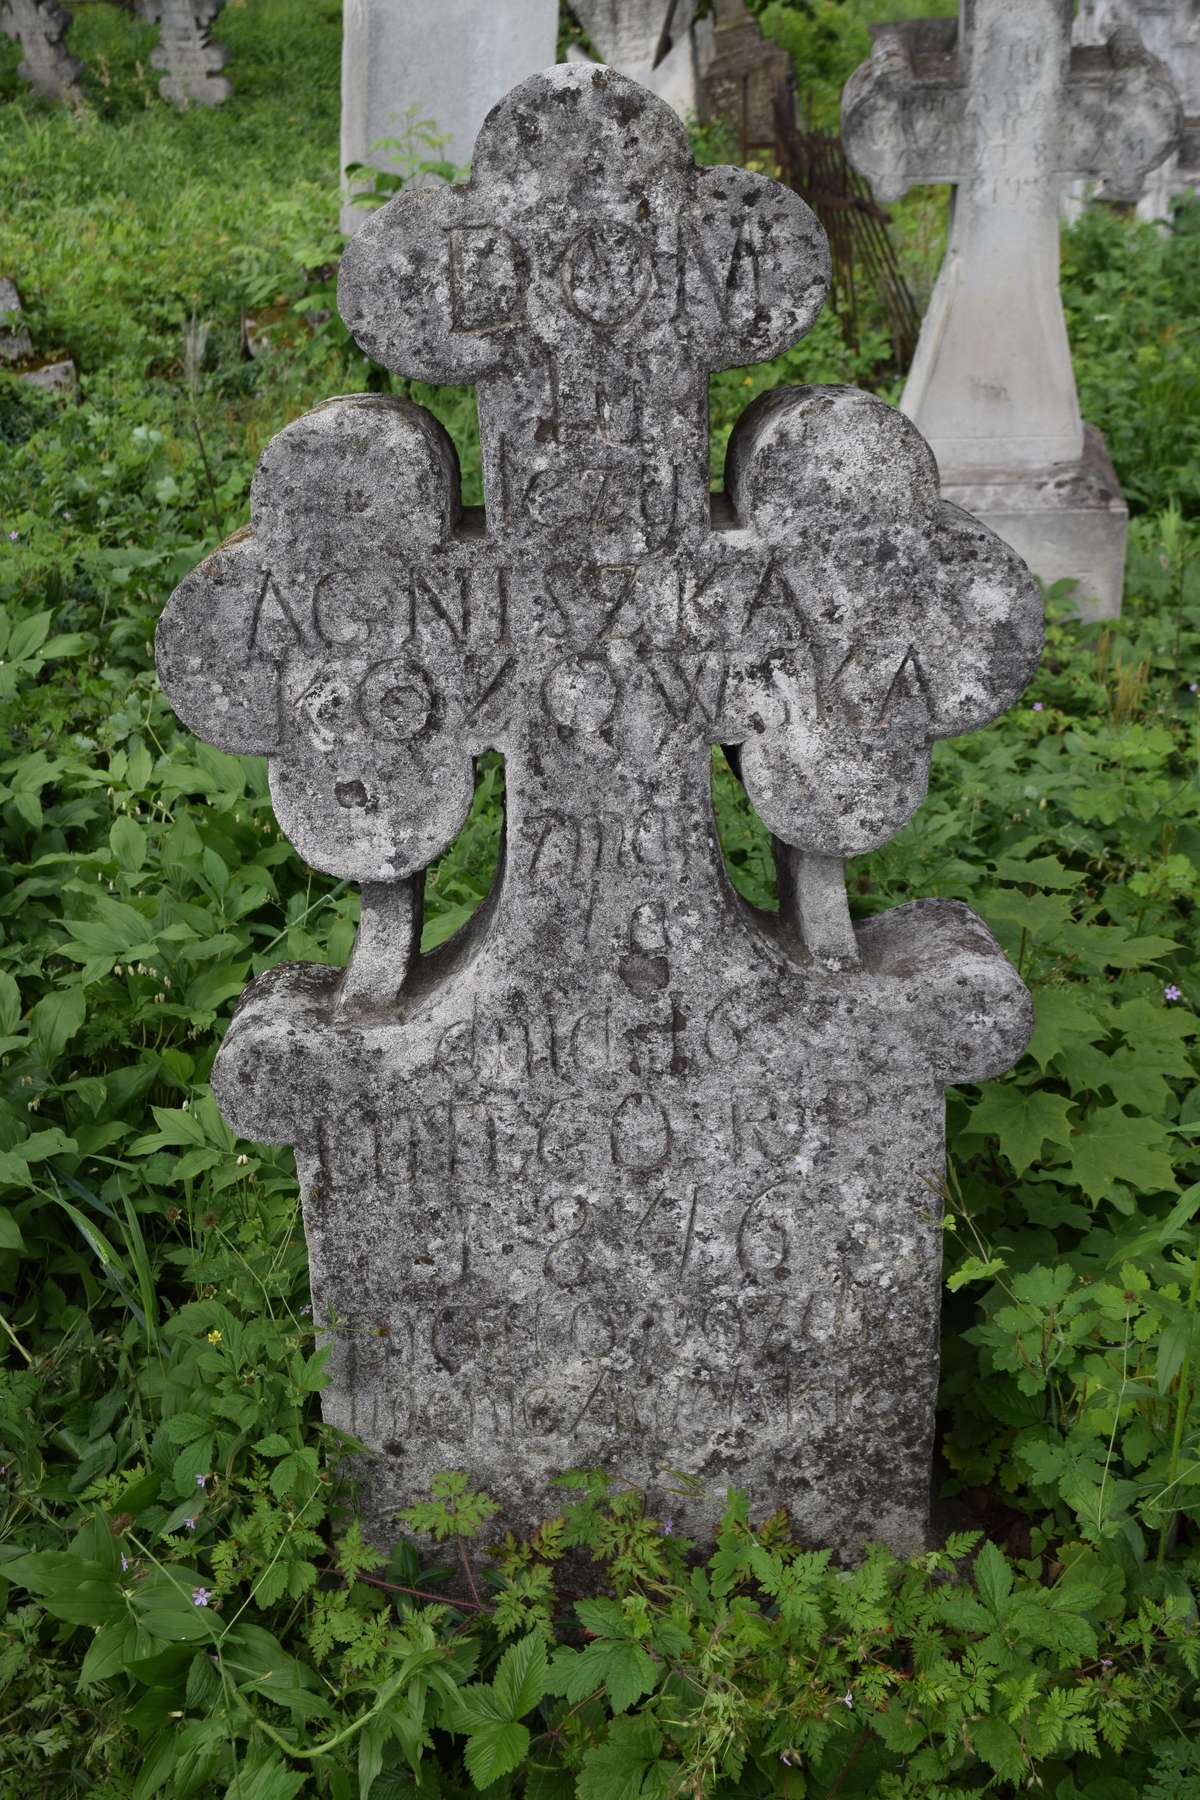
(185, 1608)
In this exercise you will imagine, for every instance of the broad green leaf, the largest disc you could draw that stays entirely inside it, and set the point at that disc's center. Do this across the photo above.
(27, 636)
(107, 1651)
(10, 1231)
(167, 1610)
(196, 1458)
(1063, 1020)
(1039, 871)
(87, 1603)
(494, 1750)
(520, 1679)
(616, 1769)
(993, 1577)
(10, 1004)
(372, 1740)
(55, 1020)
(1110, 1146)
(127, 840)
(1023, 1119)
(999, 1746)
(975, 1269)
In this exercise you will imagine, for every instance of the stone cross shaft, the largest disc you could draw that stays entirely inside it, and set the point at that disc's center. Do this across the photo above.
(999, 105)
(626, 1173)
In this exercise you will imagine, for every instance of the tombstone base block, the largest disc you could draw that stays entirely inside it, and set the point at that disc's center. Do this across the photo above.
(1069, 523)
(545, 1235)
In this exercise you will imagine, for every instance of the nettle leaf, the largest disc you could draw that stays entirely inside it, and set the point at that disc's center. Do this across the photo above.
(495, 1750)
(1110, 1146)
(1023, 1119)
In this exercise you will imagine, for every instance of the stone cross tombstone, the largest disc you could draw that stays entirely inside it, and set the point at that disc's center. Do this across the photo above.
(745, 77)
(1170, 30)
(190, 62)
(651, 41)
(628, 1173)
(999, 105)
(47, 65)
(443, 61)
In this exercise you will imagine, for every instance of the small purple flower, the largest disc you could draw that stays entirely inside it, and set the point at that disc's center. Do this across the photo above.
(190, 1524)
(1171, 992)
(202, 1481)
(1194, 687)
(1037, 706)
(785, 1759)
(13, 536)
(124, 1562)
(1106, 1662)
(668, 1526)
(200, 1596)
(847, 1699)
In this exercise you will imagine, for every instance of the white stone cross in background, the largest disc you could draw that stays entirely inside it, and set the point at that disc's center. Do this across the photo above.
(443, 61)
(999, 105)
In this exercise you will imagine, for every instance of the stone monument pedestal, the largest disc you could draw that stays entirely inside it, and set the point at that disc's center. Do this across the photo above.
(1067, 522)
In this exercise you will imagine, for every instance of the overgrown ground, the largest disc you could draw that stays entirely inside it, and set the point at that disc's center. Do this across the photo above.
(158, 1412)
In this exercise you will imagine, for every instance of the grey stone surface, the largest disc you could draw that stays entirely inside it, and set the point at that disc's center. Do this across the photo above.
(190, 61)
(1069, 523)
(15, 341)
(626, 1173)
(1170, 30)
(46, 64)
(998, 104)
(447, 61)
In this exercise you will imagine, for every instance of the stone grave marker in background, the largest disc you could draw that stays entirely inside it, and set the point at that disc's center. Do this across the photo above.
(16, 345)
(651, 41)
(998, 104)
(18, 356)
(447, 61)
(1170, 30)
(627, 1173)
(41, 27)
(745, 77)
(191, 64)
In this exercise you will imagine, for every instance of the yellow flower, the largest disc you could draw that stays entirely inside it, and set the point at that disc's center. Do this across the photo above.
(214, 1336)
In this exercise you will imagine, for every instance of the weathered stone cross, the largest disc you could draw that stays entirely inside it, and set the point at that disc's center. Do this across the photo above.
(190, 61)
(47, 65)
(997, 103)
(626, 1173)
